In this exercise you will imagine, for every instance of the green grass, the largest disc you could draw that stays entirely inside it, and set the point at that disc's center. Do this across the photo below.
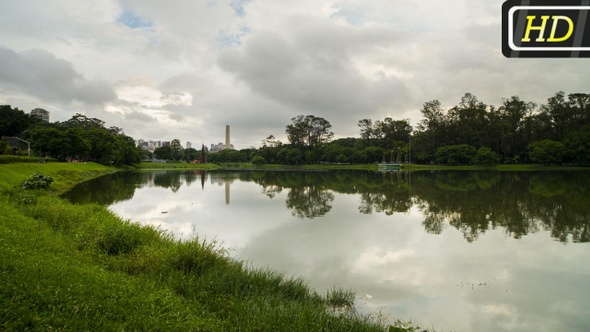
(80, 267)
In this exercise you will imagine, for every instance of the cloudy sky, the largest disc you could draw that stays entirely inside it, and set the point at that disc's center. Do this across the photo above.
(184, 69)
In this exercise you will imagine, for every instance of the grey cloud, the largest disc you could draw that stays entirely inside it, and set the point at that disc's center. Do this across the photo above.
(46, 77)
(140, 117)
(313, 73)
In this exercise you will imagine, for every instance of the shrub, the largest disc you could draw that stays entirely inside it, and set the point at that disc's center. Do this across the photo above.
(258, 160)
(546, 152)
(485, 156)
(9, 159)
(37, 181)
(455, 154)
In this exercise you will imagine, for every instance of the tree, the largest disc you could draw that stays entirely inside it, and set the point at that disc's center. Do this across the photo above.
(163, 152)
(49, 140)
(82, 121)
(175, 149)
(578, 146)
(129, 152)
(271, 142)
(546, 152)
(14, 121)
(290, 155)
(106, 148)
(432, 131)
(468, 122)
(512, 126)
(384, 133)
(308, 130)
(79, 146)
(203, 157)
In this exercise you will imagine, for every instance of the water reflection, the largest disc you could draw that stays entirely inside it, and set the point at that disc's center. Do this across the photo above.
(457, 251)
(472, 202)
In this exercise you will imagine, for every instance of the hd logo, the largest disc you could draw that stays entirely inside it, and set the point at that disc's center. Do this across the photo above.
(546, 29)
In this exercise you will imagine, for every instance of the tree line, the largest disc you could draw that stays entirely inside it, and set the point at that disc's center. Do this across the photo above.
(470, 132)
(79, 138)
(517, 131)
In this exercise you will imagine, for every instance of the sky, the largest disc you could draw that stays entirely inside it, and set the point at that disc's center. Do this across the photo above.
(180, 69)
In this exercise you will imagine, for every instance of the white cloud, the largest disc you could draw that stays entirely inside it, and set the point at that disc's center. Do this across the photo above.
(196, 66)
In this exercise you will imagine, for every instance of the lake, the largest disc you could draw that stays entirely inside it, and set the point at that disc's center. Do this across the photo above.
(448, 250)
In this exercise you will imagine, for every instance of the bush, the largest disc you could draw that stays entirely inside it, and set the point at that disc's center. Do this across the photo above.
(258, 160)
(9, 159)
(546, 152)
(485, 156)
(37, 181)
(455, 154)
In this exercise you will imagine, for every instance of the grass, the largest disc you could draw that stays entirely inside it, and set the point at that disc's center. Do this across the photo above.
(80, 267)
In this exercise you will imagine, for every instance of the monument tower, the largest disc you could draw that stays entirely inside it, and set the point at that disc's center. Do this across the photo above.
(227, 146)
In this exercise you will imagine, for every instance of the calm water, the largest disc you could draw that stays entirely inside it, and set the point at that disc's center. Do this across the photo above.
(457, 251)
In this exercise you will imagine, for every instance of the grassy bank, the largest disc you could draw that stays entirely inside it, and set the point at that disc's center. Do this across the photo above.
(79, 267)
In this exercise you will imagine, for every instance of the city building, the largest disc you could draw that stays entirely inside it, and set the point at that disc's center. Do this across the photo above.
(217, 147)
(41, 114)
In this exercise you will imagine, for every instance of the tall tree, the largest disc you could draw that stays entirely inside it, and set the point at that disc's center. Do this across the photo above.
(513, 136)
(176, 149)
(468, 122)
(308, 130)
(203, 158)
(432, 131)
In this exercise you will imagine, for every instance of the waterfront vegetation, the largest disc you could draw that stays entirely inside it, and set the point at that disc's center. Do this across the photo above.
(80, 267)
(469, 133)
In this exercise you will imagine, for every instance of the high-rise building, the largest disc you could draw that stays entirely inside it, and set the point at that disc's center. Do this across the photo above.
(41, 114)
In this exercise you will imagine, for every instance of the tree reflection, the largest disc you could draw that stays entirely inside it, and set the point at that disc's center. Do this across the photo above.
(392, 195)
(106, 190)
(309, 202)
(521, 203)
(471, 202)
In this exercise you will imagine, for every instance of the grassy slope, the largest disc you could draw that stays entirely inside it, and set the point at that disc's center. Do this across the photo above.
(79, 267)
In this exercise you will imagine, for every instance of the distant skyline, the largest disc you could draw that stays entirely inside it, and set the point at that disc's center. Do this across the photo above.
(184, 69)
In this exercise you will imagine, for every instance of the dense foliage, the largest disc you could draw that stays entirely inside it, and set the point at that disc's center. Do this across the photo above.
(14, 121)
(471, 132)
(514, 131)
(80, 138)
